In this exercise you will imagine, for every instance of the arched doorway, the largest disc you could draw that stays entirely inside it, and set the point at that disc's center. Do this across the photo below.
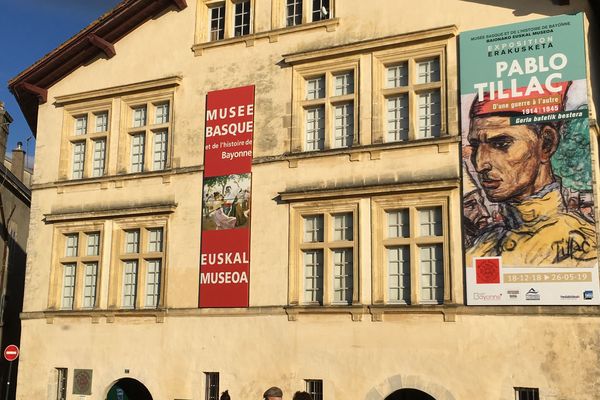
(128, 389)
(409, 394)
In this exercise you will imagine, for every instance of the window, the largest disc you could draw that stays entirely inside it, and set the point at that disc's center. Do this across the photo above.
(149, 135)
(315, 388)
(142, 261)
(326, 256)
(61, 384)
(320, 10)
(293, 12)
(327, 108)
(229, 18)
(79, 263)
(412, 237)
(87, 138)
(411, 87)
(303, 11)
(212, 386)
(527, 393)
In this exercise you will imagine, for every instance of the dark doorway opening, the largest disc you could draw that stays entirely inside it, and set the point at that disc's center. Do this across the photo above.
(128, 389)
(409, 394)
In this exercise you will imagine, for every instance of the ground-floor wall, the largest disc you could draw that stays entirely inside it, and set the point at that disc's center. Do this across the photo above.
(472, 357)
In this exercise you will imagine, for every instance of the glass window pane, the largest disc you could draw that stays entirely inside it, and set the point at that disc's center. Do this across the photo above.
(99, 157)
(242, 18)
(89, 284)
(313, 228)
(294, 12)
(139, 116)
(315, 128)
(398, 223)
(315, 88)
(71, 244)
(344, 125)
(429, 114)
(129, 283)
(68, 289)
(78, 159)
(313, 276)
(432, 273)
(430, 220)
(161, 113)
(93, 244)
(342, 276)
(217, 22)
(397, 75)
(159, 150)
(399, 274)
(81, 125)
(397, 118)
(137, 152)
(102, 121)
(320, 10)
(342, 227)
(152, 282)
(344, 83)
(155, 240)
(428, 71)
(132, 241)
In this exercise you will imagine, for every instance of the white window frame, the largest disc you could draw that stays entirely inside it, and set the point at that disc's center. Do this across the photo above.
(382, 206)
(142, 133)
(228, 19)
(141, 247)
(411, 91)
(74, 288)
(302, 244)
(82, 132)
(336, 129)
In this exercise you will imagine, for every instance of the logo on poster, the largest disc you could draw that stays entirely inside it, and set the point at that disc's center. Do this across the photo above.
(532, 294)
(588, 295)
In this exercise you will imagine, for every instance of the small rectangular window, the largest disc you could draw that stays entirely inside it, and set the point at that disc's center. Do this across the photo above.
(343, 125)
(431, 221)
(342, 276)
(315, 388)
(242, 18)
(313, 228)
(155, 240)
(217, 22)
(428, 71)
(397, 75)
(313, 276)
(212, 386)
(61, 384)
(161, 113)
(68, 290)
(432, 273)
(78, 159)
(321, 10)
(342, 226)
(93, 244)
(137, 152)
(315, 88)
(522, 393)
(398, 223)
(71, 245)
(99, 157)
(139, 117)
(101, 121)
(132, 241)
(81, 125)
(152, 283)
(130, 270)
(294, 12)
(397, 118)
(159, 144)
(315, 128)
(344, 83)
(90, 276)
(399, 274)
(429, 114)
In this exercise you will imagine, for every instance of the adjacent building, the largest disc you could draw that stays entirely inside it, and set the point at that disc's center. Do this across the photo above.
(237, 194)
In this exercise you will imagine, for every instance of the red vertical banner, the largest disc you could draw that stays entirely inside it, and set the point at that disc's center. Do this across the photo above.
(225, 250)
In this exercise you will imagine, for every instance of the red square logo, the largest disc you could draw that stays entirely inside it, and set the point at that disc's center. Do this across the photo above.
(487, 270)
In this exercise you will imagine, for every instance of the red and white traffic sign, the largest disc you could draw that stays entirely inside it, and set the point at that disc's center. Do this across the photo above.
(11, 352)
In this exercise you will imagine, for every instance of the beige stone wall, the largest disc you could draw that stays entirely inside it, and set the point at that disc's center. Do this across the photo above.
(472, 353)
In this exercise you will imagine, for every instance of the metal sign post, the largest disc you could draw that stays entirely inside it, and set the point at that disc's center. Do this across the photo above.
(11, 353)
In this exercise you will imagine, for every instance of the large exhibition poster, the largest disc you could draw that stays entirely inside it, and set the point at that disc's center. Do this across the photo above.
(528, 206)
(225, 252)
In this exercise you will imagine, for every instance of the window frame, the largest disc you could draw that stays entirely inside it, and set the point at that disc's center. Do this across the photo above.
(80, 260)
(143, 256)
(328, 245)
(229, 24)
(151, 101)
(211, 391)
(312, 388)
(329, 70)
(380, 206)
(89, 137)
(411, 54)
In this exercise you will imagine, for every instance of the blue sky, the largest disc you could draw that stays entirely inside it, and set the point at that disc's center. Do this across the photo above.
(30, 29)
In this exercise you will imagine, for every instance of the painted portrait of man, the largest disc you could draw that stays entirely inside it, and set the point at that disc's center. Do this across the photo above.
(513, 166)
